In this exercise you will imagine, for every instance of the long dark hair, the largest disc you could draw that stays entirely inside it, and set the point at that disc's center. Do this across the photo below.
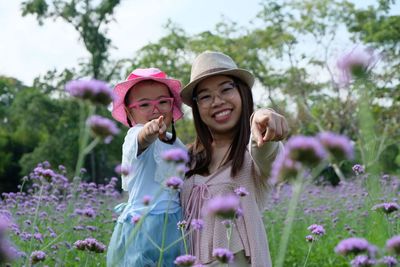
(200, 151)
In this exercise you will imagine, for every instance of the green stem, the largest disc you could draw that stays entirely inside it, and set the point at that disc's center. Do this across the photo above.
(184, 240)
(160, 259)
(297, 186)
(34, 220)
(83, 135)
(308, 254)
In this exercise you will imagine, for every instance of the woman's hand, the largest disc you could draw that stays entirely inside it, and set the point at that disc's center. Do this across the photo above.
(267, 125)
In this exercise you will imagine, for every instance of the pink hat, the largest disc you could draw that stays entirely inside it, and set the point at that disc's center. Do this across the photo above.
(138, 75)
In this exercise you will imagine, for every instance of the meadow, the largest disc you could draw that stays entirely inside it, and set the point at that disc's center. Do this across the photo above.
(50, 214)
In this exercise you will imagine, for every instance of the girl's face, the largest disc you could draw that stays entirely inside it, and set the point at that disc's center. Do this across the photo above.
(219, 103)
(149, 100)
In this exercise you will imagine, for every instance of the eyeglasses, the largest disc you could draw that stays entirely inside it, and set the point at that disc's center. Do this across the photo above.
(147, 107)
(205, 98)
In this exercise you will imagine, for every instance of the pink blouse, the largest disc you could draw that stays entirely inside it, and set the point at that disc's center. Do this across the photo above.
(248, 233)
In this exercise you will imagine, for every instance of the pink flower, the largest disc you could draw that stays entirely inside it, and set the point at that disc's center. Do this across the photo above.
(393, 244)
(223, 206)
(174, 182)
(185, 260)
(357, 63)
(223, 255)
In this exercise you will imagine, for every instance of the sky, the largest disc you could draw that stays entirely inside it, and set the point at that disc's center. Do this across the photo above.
(28, 50)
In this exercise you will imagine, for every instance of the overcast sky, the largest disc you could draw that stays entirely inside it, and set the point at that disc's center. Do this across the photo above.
(28, 50)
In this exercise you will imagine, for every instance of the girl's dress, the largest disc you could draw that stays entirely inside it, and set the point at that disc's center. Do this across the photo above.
(248, 235)
(130, 246)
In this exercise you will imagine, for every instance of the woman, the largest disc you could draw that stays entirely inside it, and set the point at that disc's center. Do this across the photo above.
(234, 148)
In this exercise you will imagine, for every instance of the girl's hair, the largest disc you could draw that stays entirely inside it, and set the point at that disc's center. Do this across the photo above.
(126, 102)
(200, 151)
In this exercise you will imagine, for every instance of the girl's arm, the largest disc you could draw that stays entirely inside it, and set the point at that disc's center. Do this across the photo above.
(150, 132)
(267, 129)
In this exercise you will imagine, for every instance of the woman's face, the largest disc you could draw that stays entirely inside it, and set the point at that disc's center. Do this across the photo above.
(219, 103)
(149, 99)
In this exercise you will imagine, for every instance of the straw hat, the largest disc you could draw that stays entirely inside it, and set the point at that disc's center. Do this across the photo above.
(210, 63)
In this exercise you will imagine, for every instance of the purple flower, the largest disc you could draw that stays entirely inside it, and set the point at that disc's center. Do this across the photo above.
(197, 224)
(93, 245)
(124, 170)
(146, 200)
(310, 238)
(185, 260)
(386, 207)
(358, 169)
(357, 63)
(135, 219)
(241, 191)
(353, 245)
(37, 256)
(388, 261)
(174, 182)
(95, 91)
(176, 155)
(393, 244)
(223, 206)
(306, 150)
(362, 261)
(90, 244)
(223, 255)
(284, 168)
(102, 127)
(316, 229)
(339, 146)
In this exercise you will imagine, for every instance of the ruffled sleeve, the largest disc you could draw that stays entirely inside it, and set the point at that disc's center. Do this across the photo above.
(130, 153)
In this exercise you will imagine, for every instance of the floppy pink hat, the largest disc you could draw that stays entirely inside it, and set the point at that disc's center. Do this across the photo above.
(138, 75)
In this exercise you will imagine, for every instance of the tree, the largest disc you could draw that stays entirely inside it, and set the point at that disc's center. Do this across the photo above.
(89, 18)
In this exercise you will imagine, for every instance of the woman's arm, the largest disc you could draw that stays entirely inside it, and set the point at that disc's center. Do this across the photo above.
(267, 129)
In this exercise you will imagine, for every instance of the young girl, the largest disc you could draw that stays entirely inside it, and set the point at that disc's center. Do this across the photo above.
(148, 102)
(233, 150)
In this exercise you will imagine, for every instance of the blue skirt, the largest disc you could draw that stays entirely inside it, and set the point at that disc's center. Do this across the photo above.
(130, 249)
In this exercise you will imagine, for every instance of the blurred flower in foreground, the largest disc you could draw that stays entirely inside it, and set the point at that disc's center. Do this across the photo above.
(95, 91)
(223, 255)
(223, 206)
(174, 182)
(353, 245)
(356, 64)
(7, 252)
(306, 150)
(386, 207)
(176, 155)
(339, 146)
(393, 244)
(102, 128)
(185, 260)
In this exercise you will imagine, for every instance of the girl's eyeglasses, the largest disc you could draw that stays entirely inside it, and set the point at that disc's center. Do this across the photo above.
(147, 107)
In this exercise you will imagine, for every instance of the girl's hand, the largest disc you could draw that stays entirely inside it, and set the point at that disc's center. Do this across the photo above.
(267, 125)
(151, 131)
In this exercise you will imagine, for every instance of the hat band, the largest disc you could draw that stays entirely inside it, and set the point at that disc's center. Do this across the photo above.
(208, 71)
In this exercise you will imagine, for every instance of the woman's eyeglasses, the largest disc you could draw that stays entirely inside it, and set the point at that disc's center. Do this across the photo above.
(205, 98)
(147, 107)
